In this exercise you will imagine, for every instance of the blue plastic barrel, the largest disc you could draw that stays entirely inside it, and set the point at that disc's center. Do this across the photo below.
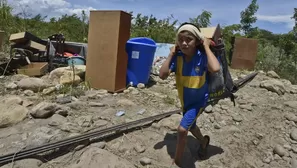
(141, 51)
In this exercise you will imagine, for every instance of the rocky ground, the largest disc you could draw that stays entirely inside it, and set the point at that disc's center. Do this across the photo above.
(260, 131)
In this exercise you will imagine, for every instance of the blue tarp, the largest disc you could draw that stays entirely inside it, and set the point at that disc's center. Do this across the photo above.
(163, 49)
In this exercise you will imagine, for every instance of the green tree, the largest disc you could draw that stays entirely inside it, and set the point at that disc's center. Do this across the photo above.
(202, 20)
(248, 17)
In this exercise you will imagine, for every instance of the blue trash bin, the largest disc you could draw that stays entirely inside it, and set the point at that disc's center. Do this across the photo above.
(141, 51)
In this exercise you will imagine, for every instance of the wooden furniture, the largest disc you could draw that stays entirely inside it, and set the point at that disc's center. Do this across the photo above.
(106, 61)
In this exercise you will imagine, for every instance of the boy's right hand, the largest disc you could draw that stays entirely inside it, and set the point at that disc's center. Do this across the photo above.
(173, 49)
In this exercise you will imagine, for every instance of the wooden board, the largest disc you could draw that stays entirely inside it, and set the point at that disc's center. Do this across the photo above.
(30, 45)
(244, 53)
(34, 69)
(106, 62)
(23, 37)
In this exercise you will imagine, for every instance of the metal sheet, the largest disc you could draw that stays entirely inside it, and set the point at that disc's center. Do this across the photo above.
(245, 53)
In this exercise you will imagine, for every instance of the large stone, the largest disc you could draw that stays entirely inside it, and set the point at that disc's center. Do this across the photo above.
(11, 114)
(171, 122)
(44, 110)
(274, 86)
(95, 156)
(292, 104)
(68, 78)
(34, 84)
(273, 74)
(57, 73)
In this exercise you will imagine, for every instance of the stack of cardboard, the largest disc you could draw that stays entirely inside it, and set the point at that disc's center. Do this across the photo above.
(27, 41)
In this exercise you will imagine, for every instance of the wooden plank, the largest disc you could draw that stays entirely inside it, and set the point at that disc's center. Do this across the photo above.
(245, 53)
(30, 45)
(23, 37)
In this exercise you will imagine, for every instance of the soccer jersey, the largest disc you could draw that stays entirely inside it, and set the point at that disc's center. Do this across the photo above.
(191, 79)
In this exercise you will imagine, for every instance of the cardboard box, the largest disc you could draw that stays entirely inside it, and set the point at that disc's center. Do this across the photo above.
(34, 69)
(106, 61)
(24, 37)
(213, 33)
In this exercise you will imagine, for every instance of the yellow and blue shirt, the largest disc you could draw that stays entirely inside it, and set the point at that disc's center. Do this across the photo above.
(191, 80)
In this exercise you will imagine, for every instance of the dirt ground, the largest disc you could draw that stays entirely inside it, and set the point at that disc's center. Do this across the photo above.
(260, 131)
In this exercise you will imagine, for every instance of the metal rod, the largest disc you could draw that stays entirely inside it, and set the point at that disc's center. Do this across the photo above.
(51, 146)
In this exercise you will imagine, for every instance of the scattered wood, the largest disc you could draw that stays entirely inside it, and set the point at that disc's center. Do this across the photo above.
(30, 45)
(24, 37)
(34, 69)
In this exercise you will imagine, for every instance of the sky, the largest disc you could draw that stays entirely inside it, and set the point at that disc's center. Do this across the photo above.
(273, 15)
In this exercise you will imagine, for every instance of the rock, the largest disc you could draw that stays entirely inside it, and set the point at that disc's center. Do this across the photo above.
(279, 150)
(31, 83)
(57, 119)
(100, 123)
(96, 104)
(49, 90)
(273, 85)
(135, 92)
(44, 110)
(125, 102)
(64, 99)
(140, 85)
(57, 73)
(70, 127)
(12, 100)
(171, 122)
(84, 121)
(217, 126)
(25, 163)
(139, 148)
(93, 157)
(12, 114)
(68, 78)
(40, 136)
(145, 161)
(293, 134)
(100, 145)
(292, 104)
(76, 105)
(288, 147)
(291, 117)
(208, 109)
(11, 86)
(29, 93)
(293, 163)
(62, 112)
(259, 136)
(237, 118)
(246, 106)
(273, 74)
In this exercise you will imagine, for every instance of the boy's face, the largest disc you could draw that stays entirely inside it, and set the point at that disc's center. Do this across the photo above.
(187, 42)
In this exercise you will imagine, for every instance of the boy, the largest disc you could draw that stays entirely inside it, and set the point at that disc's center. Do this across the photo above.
(190, 59)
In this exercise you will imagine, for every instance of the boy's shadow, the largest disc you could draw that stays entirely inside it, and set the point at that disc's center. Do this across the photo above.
(170, 141)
